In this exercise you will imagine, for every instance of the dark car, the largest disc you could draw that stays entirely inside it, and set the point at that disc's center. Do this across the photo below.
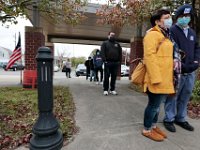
(14, 67)
(80, 70)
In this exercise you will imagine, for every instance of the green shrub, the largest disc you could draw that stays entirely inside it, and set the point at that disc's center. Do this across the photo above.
(196, 92)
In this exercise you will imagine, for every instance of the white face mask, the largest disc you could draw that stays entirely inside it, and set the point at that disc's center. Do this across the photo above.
(168, 23)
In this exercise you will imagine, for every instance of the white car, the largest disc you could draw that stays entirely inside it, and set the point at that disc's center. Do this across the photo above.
(56, 68)
(124, 70)
(80, 70)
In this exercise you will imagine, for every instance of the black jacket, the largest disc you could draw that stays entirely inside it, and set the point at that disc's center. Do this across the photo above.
(111, 51)
(87, 64)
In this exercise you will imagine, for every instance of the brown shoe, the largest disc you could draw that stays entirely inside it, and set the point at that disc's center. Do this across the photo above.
(159, 131)
(153, 136)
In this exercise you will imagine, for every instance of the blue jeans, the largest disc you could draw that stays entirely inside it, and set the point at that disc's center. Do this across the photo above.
(152, 110)
(176, 106)
(92, 75)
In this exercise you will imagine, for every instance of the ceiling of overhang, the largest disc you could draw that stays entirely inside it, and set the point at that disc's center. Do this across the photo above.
(88, 32)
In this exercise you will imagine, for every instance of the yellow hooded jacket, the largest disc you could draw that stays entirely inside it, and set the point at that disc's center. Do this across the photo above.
(159, 63)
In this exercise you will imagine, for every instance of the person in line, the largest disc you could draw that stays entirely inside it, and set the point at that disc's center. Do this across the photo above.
(68, 68)
(98, 63)
(111, 53)
(158, 83)
(87, 65)
(185, 37)
(92, 71)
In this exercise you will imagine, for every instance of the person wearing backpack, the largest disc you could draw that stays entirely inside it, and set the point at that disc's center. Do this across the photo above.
(98, 63)
(111, 53)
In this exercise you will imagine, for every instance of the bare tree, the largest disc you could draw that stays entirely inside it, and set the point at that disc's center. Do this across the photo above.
(62, 53)
(68, 11)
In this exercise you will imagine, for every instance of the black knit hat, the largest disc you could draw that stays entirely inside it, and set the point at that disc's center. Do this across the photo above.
(184, 9)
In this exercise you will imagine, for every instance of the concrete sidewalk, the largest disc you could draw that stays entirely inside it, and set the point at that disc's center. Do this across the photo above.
(115, 122)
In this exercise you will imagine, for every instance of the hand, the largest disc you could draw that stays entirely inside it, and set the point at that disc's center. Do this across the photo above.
(196, 62)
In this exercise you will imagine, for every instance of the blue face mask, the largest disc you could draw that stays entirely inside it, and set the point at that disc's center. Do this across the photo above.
(183, 21)
(168, 23)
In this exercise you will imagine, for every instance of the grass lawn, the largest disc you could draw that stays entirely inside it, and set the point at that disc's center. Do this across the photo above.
(18, 113)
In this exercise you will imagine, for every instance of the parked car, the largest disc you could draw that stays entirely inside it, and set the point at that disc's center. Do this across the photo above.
(14, 67)
(56, 68)
(80, 70)
(2, 64)
(124, 70)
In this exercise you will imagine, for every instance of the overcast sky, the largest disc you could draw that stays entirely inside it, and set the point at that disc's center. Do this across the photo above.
(9, 36)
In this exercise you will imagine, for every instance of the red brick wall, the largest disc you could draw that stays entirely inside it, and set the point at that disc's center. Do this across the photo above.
(136, 51)
(34, 39)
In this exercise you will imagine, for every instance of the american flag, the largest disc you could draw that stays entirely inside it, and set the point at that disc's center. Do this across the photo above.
(16, 55)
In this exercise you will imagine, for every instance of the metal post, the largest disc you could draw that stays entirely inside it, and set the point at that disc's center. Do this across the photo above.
(47, 135)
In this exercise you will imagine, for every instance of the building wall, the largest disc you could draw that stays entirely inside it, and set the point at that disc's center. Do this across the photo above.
(4, 54)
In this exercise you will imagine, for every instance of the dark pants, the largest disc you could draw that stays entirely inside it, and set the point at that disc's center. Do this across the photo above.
(68, 72)
(87, 73)
(152, 110)
(110, 69)
(97, 70)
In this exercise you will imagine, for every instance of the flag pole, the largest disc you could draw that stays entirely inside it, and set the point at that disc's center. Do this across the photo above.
(21, 65)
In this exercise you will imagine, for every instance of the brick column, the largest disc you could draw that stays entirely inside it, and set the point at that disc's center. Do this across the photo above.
(34, 39)
(136, 51)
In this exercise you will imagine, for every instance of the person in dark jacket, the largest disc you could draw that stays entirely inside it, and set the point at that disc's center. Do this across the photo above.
(92, 71)
(87, 64)
(185, 38)
(98, 63)
(111, 53)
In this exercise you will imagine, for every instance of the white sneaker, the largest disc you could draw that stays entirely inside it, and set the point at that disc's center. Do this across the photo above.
(97, 82)
(105, 93)
(101, 83)
(113, 92)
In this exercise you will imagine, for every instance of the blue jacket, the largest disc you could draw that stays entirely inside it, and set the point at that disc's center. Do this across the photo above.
(190, 47)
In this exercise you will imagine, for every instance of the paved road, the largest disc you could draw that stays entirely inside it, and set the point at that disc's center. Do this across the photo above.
(115, 122)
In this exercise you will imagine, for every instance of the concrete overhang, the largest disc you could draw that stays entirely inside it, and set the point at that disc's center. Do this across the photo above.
(88, 32)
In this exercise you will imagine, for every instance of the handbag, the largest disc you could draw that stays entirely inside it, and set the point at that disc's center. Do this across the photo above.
(139, 72)
(138, 75)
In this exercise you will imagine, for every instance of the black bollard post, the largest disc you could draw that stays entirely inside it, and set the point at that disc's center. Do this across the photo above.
(47, 135)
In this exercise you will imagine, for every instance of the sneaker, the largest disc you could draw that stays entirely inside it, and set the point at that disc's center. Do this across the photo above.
(169, 126)
(105, 93)
(113, 92)
(153, 136)
(185, 125)
(159, 131)
(101, 83)
(97, 82)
